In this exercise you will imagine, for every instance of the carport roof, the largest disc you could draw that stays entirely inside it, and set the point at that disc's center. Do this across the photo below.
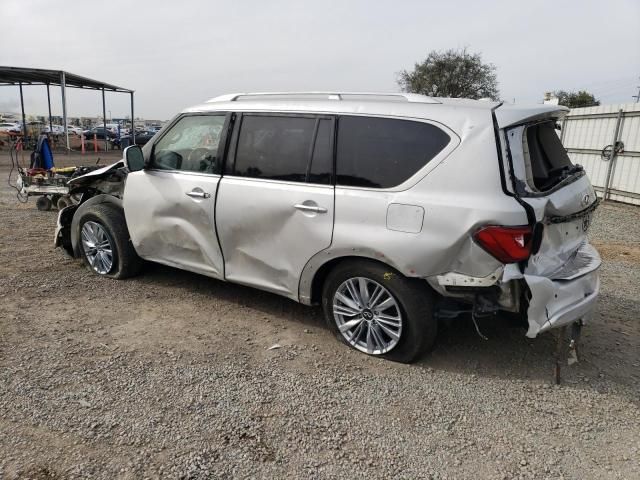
(40, 76)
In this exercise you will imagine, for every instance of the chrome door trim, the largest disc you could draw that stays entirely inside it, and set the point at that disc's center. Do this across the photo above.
(183, 172)
(282, 182)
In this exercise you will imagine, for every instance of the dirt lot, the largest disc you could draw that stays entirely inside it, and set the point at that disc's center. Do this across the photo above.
(170, 375)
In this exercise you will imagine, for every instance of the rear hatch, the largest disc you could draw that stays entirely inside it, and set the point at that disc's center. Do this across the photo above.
(560, 201)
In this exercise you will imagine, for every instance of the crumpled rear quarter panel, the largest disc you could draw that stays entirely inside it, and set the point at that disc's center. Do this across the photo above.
(460, 194)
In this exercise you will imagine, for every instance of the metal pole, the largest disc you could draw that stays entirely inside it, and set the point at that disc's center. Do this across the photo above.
(104, 121)
(63, 88)
(559, 354)
(24, 118)
(563, 128)
(605, 195)
(133, 123)
(49, 105)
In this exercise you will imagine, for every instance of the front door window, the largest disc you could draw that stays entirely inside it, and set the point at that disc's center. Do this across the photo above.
(190, 145)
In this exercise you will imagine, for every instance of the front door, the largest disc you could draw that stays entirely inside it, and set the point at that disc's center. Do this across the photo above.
(275, 205)
(170, 206)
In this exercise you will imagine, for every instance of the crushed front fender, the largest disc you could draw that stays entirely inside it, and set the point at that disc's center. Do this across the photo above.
(62, 237)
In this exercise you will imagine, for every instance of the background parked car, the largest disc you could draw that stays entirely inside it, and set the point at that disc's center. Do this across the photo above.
(10, 127)
(143, 137)
(75, 130)
(55, 129)
(100, 133)
(124, 132)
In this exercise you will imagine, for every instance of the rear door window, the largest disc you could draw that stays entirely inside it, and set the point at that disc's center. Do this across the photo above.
(290, 148)
(382, 152)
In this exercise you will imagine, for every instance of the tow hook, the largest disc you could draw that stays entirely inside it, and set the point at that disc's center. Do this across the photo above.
(576, 329)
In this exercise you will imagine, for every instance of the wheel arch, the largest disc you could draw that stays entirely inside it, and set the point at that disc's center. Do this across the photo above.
(316, 272)
(115, 202)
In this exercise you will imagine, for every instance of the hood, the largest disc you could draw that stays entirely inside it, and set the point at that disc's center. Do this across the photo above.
(95, 174)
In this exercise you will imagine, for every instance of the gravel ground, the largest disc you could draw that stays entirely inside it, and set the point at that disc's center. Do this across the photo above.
(170, 375)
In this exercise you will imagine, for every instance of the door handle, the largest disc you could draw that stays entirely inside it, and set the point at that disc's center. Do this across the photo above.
(310, 208)
(197, 194)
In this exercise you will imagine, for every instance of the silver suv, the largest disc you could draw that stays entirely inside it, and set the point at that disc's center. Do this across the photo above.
(390, 210)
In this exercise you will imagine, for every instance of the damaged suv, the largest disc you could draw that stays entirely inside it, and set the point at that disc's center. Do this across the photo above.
(387, 209)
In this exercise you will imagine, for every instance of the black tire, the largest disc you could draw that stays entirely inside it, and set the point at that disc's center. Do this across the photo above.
(43, 203)
(126, 262)
(414, 297)
(63, 202)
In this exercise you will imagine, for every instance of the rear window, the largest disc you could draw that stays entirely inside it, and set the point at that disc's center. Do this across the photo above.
(383, 152)
(295, 149)
(548, 159)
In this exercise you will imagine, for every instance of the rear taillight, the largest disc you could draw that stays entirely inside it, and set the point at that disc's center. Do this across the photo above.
(507, 244)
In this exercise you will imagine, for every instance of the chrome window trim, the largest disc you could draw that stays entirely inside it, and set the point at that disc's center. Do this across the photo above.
(281, 182)
(184, 172)
(406, 185)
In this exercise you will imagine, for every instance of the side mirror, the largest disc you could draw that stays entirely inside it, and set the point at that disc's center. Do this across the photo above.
(134, 158)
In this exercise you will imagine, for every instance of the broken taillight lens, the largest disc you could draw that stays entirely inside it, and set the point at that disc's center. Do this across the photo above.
(507, 244)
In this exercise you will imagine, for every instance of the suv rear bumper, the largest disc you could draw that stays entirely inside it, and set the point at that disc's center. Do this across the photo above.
(573, 300)
(565, 296)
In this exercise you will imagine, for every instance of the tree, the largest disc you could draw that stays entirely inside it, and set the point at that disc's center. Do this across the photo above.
(453, 73)
(576, 99)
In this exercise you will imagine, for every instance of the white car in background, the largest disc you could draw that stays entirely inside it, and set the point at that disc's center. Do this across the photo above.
(75, 130)
(10, 127)
(55, 129)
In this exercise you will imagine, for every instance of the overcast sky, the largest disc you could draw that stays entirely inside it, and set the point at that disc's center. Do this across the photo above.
(178, 53)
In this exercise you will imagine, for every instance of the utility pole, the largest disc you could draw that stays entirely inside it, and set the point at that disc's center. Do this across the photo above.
(637, 96)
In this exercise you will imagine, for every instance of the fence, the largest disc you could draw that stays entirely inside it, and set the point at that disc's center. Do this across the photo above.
(605, 140)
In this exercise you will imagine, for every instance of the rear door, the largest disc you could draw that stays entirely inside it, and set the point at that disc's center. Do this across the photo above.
(170, 206)
(275, 202)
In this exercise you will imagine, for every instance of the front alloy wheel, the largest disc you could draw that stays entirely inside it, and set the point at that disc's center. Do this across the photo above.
(97, 247)
(367, 315)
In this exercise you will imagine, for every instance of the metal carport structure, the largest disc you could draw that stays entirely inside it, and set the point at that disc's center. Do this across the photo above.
(37, 76)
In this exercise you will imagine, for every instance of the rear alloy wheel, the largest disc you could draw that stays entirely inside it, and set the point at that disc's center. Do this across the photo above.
(367, 315)
(379, 311)
(97, 247)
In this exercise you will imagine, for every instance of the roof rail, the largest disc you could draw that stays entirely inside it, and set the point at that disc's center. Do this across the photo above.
(408, 97)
